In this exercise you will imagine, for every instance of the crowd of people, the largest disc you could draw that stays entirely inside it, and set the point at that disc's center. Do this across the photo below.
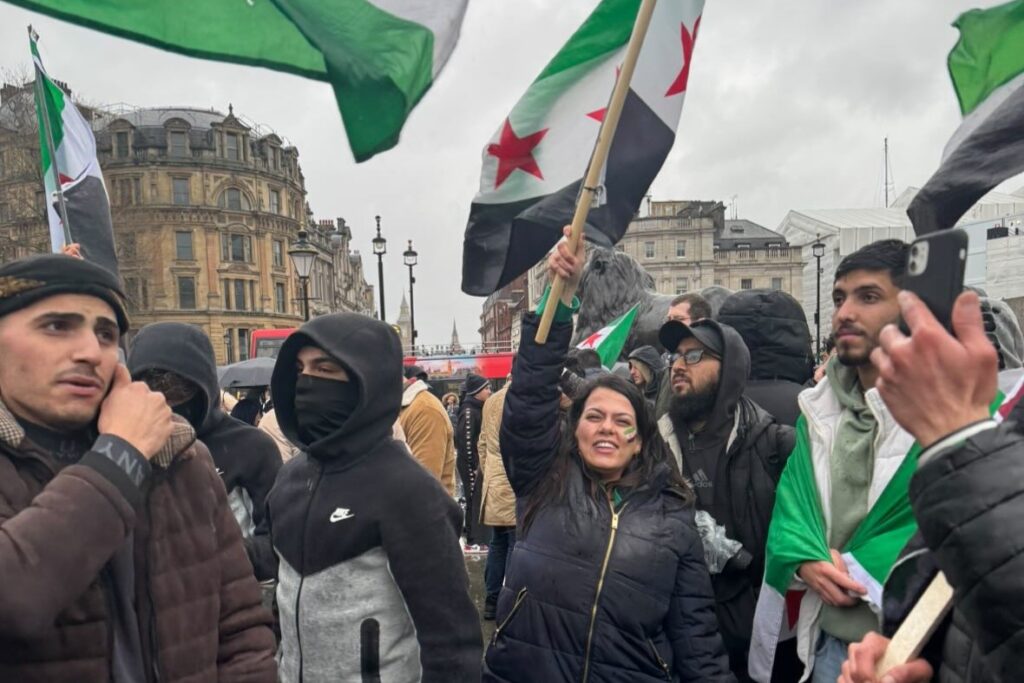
(639, 524)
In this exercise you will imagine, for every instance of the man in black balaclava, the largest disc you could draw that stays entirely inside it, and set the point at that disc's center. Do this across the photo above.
(177, 360)
(371, 581)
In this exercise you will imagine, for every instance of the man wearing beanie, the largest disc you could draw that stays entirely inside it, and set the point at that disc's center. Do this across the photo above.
(428, 431)
(372, 585)
(120, 558)
(475, 390)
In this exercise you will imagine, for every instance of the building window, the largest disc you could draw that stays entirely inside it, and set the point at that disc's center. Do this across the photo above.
(648, 249)
(179, 143)
(181, 194)
(275, 201)
(121, 150)
(239, 287)
(243, 344)
(279, 298)
(718, 283)
(275, 158)
(229, 345)
(5, 213)
(681, 286)
(231, 147)
(776, 283)
(237, 248)
(277, 250)
(746, 283)
(128, 191)
(183, 246)
(187, 293)
(234, 199)
(680, 248)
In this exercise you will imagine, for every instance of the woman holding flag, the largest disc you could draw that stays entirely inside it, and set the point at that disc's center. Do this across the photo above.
(608, 581)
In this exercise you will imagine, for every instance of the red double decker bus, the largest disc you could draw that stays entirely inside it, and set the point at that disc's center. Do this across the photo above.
(446, 372)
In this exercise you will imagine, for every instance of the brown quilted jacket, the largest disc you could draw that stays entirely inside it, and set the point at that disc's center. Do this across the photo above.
(197, 601)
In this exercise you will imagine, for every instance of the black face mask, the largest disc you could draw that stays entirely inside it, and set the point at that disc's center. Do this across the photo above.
(193, 410)
(322, 406)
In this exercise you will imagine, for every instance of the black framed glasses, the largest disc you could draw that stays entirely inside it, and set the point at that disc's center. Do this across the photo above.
(692, 357)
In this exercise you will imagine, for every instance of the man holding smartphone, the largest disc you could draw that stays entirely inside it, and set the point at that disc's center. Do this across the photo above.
(853, 448)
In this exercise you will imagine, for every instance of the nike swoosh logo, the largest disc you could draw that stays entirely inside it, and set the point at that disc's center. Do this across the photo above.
(340, 514)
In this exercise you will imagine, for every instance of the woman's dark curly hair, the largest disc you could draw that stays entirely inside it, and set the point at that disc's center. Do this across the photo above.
(640, 472)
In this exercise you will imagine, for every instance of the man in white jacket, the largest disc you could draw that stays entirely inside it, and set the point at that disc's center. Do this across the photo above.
(856, 448)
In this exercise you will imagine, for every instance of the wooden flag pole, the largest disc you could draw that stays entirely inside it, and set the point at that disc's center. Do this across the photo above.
(912, 635)
(604, 142)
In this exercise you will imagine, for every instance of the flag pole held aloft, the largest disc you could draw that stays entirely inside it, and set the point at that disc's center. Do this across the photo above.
(589, 189)
(46, 133)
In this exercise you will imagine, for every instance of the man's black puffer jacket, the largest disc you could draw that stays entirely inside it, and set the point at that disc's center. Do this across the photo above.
(969, 503)
(652, 618)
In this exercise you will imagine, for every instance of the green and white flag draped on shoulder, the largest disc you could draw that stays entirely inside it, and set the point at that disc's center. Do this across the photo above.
(74, 165)
(987, 69)
(380, 56)
(797, 534)
(609, 340)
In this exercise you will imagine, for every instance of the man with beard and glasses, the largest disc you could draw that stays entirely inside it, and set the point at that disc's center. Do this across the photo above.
(372, 585)
(849, 448)
(733, 452)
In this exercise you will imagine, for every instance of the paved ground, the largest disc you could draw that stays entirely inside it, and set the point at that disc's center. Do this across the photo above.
(475, 568)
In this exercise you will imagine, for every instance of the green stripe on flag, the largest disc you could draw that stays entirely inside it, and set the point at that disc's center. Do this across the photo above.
(989, 53)
(607, 29)
(379, 65)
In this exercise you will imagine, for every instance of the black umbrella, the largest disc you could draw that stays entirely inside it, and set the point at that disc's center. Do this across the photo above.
(255, 372)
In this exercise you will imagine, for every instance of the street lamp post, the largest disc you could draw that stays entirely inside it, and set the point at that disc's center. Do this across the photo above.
(380, 247)
(409, 256)
(818, 249)
(303, 254)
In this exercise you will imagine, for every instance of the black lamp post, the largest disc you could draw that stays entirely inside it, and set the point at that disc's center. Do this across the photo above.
(380, 247)
(818, 249)
(409, 256)
(303, 254)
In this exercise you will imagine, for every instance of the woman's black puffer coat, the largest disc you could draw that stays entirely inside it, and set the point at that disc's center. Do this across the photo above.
(594, 595)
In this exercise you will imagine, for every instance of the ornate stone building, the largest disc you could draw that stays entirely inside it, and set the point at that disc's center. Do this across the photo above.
(689, 245)
(204, 206)
(337, 283)
(501, 312)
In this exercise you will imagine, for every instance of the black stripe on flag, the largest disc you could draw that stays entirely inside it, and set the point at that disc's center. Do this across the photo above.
(503, 241)
(993, 152)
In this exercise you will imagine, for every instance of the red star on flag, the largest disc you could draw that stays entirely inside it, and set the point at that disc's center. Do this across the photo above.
(598, 114)
(589, 342)
(64, 179)
(679, 85)
(515, 152)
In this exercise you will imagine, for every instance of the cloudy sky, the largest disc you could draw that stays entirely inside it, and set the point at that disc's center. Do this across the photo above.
(787, 106)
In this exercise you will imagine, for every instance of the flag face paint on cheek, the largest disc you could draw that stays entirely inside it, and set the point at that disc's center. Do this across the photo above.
(630, 434)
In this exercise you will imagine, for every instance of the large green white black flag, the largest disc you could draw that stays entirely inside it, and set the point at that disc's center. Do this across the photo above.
(987, 69)
(534, 164)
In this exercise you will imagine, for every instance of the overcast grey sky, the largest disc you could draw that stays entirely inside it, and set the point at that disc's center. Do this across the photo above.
(787, 105)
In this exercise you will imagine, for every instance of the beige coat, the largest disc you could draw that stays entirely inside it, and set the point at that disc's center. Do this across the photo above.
(428, 433)
(268, 424)
(498, 505)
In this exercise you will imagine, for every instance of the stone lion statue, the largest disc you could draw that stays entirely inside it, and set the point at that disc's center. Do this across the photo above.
(612, 282)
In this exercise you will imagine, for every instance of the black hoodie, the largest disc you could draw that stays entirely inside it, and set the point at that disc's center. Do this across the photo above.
(370, 561)
(774, 328)
(734, 463)
(246, 459)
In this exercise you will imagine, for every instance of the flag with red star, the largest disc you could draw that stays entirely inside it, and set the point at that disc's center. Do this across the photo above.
(534, 164)
(609, 340)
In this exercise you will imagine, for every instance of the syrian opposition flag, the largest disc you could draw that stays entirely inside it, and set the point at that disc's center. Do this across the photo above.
(797, 535)
(609, 340)
(73, 162)
(534, 164)
(987, 69)
(380, 56)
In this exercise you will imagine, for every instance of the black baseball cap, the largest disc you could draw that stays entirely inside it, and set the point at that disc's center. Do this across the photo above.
(707, 332)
